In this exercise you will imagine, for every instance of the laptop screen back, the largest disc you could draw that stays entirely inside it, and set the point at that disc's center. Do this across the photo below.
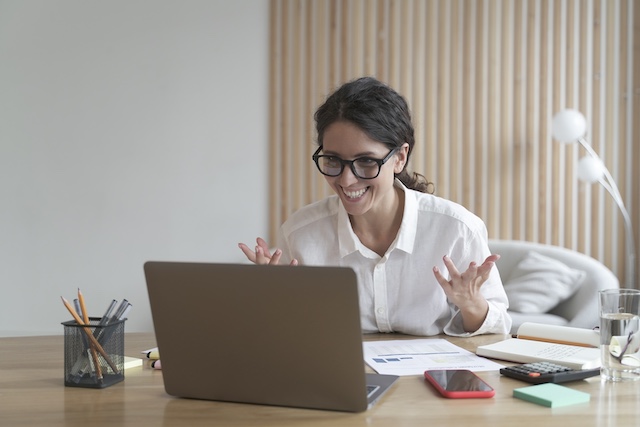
(274, 335)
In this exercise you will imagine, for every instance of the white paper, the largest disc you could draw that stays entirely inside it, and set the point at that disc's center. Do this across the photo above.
(413, 357)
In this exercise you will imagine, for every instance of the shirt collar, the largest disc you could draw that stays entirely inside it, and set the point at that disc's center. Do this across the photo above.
(348, 242)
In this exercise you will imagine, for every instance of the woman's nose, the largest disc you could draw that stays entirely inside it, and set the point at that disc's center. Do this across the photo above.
(347, 177)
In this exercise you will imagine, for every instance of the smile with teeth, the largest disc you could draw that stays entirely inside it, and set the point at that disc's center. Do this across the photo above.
(355, 194)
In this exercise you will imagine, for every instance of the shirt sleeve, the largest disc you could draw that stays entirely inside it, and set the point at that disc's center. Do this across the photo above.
(497, 321)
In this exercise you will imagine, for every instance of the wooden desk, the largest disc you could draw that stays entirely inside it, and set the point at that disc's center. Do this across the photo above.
(32, 394)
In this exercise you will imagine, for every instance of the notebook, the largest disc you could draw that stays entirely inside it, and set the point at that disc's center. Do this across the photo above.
(273, 335)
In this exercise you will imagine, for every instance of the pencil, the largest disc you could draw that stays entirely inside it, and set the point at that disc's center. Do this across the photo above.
(92, 339)
(92, 348)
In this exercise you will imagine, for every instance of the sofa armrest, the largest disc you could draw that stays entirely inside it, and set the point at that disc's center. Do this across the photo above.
(580, 310)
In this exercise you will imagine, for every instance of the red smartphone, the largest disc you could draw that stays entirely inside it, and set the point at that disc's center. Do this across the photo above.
(459, 384)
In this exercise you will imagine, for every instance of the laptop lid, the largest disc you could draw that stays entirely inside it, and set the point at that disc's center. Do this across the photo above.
(274, 335)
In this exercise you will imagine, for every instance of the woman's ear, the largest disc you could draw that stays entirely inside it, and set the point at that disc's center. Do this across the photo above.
(402, 156)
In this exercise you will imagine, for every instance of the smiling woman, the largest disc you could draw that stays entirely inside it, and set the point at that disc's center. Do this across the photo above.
(382, 223)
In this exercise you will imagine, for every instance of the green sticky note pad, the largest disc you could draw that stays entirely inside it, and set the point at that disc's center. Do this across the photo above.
(551, 395)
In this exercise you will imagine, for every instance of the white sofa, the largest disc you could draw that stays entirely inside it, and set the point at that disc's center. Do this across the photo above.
(580, 310)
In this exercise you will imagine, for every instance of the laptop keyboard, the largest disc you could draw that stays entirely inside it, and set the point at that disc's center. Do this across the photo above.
(371, 389)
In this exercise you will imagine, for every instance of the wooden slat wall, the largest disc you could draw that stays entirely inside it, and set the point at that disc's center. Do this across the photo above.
(483, 78)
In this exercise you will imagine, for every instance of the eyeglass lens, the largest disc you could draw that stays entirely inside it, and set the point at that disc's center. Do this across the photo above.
(362, 168)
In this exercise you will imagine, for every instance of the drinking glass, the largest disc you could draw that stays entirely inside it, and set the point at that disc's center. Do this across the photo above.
(620, 334)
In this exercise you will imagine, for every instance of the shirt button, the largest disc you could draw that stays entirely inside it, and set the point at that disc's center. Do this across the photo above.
(380, 310)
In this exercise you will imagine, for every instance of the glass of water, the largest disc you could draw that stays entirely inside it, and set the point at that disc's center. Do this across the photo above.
(620, 334)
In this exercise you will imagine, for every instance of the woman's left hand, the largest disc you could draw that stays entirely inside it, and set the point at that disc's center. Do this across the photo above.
(463, 289)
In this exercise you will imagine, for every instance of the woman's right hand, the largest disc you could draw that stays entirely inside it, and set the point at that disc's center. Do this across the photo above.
(262, 255)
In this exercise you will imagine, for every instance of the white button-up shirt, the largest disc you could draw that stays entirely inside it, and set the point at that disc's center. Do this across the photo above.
(399, 292)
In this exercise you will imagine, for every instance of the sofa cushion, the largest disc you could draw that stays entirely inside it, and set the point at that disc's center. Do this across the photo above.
(538, 283)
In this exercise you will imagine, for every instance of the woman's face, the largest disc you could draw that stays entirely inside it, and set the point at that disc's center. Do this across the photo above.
(361, 196)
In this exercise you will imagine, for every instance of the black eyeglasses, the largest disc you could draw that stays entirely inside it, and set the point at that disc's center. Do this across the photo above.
(362, 167)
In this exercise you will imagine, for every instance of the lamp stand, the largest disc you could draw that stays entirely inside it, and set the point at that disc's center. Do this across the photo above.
(610, 185)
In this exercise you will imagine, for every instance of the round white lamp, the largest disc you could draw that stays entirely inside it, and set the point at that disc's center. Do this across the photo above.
(590, 170)
(570, 126)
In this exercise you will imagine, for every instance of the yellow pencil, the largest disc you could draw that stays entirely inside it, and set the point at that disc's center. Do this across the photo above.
(92, 348)
(93, 339)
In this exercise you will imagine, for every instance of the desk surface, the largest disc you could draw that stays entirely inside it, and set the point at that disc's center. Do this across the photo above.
(32, 394)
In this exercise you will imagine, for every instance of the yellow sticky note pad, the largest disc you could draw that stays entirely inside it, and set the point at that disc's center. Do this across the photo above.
(551, 395)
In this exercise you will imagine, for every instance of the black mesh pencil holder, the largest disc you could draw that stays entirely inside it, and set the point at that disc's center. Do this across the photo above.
(93, 354)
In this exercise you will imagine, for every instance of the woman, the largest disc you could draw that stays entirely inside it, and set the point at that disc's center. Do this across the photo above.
(384, 224)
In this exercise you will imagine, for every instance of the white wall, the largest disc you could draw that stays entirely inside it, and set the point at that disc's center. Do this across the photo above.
(130, 130)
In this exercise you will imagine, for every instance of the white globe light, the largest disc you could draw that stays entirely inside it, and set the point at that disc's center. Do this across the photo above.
(568, 125)
(590, 169)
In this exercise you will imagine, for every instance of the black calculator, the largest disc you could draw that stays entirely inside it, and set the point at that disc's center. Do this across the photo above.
(545, 372)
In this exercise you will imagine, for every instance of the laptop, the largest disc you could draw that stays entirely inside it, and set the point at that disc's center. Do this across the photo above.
(272, 335)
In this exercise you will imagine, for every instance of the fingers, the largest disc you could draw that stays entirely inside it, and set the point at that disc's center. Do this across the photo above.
(473, 271)
(451, 267)
(485, 269)
(440, 278)
(275, 258)
(263, 244)
(251, 256)
(261, 254)
(492, 258)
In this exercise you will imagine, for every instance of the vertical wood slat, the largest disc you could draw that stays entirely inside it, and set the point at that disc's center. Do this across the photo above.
(519, 28)
(633, 201)
(275, 218)
(480, 108)
(483, 79)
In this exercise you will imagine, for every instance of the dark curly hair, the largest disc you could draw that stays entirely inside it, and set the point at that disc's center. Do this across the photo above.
(381, 112)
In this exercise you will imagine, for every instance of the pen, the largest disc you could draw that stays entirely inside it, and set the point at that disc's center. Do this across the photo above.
(107, 314)
(121, 308)
(92, 339)
(76, 304)
(94, 355)
(554, 341)
(126, 311)
(104, 337)
(104, 321)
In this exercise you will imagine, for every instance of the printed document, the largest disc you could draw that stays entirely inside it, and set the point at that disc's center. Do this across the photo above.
(413, 357)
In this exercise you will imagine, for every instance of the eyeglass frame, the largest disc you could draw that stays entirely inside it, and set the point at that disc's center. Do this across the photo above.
(380, 162)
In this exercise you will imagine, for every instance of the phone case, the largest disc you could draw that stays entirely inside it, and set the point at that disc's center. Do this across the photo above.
(463, 390)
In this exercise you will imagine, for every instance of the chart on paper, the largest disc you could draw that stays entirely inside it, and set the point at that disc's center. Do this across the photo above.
(413, 357)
